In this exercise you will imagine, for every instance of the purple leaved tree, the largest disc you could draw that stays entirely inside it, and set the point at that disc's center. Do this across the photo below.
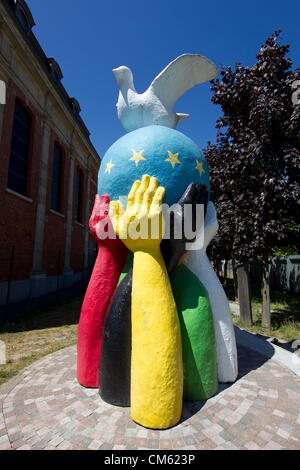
(254, 164)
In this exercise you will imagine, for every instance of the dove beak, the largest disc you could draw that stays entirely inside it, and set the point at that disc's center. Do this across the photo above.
(117, 75)
(123, 76)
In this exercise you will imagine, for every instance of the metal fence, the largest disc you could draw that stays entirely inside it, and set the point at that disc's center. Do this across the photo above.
(284, 272)
(20, 292)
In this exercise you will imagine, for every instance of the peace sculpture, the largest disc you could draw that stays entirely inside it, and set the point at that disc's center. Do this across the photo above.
(155, 326)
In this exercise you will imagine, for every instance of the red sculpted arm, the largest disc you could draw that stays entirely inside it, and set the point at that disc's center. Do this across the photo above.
(105, 276)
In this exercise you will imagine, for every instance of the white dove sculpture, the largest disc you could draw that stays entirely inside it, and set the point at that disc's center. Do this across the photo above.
(156, 105)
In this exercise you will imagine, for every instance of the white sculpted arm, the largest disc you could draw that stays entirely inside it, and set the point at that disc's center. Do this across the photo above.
(199, 264)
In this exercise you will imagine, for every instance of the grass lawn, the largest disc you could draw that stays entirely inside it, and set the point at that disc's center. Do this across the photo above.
(285, 313)
(39, 333)
(44, 331)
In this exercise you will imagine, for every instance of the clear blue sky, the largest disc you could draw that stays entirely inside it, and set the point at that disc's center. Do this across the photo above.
(89, 38)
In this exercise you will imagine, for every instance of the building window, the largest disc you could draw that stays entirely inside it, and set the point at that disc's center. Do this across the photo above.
(55, 69)
(75, 106)
(78, 196)
(56, 179)
(24, 15)
(19, 151)
(23, 20)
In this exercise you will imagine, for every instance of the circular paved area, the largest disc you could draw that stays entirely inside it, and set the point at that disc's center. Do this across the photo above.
(45, 408)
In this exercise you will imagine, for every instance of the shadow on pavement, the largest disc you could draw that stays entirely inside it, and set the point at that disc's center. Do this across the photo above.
(248, 360)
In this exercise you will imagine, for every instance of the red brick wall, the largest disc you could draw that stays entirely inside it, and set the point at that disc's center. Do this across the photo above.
(93, 192)
(77, 246)
(18, 216)
(55, 226)
(17, 221)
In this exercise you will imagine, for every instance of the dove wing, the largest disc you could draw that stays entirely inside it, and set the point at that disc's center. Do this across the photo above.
(182, 74)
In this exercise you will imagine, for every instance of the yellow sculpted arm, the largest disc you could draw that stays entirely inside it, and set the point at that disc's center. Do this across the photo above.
(156, 364)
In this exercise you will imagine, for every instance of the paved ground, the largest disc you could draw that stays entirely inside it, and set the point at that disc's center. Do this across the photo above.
(45, 408)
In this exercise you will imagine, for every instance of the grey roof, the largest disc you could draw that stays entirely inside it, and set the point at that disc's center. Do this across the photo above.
(48, 64)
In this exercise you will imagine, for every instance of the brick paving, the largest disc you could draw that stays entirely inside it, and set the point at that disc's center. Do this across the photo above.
(45, 408)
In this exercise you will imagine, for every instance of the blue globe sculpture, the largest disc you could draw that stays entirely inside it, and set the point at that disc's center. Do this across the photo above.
(173, 158)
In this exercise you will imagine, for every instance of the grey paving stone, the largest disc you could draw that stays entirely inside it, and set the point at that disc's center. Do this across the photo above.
(260, 410)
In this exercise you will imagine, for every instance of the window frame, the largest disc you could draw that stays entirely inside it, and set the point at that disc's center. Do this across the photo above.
(23, 20)
(15, 140)
(59, 181)
(79, 178)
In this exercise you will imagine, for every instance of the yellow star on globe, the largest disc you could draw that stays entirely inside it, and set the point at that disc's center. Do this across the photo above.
(200, 168)
(137, 157)
(173, 159)
(109, 166)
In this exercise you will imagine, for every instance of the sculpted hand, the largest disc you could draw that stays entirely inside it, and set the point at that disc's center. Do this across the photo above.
(210, 224)
(140, 226)
(100, 211)
(107, 269)
(101, 226)
(173, 249)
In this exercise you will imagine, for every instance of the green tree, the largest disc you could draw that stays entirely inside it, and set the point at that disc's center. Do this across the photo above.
(255, 161)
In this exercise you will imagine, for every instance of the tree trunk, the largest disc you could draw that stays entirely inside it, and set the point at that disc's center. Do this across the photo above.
(265, 293)
(244, 294)
(219, 267)
(216, 266)
(235, 282)
(225, 273)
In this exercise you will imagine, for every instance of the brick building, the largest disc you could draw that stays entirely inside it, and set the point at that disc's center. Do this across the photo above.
(48, 170)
